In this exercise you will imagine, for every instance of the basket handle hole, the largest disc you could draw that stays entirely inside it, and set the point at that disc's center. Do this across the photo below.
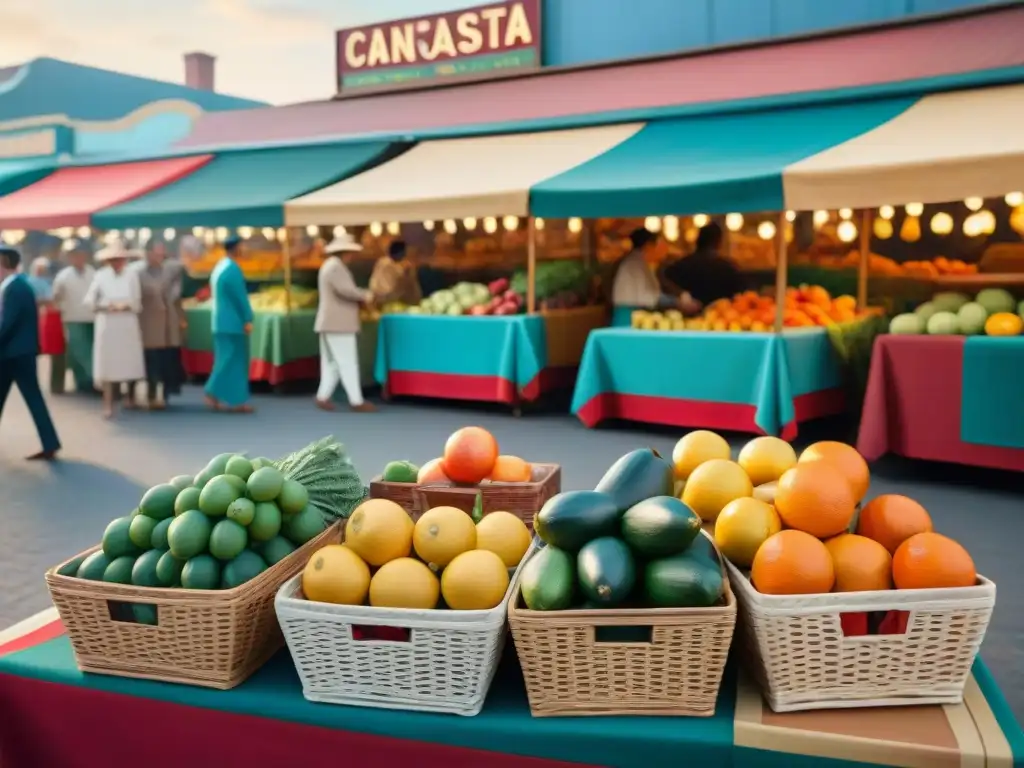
(133, 613)
(387, 634)
(874, 623)
(626, 634)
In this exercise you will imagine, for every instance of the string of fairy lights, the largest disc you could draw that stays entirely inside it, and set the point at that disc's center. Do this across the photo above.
(978, 221)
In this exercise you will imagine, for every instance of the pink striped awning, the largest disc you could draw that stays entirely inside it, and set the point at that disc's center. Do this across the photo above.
(70, 196)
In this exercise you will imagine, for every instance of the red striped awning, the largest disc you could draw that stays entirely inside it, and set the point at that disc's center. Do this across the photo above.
(70, 196)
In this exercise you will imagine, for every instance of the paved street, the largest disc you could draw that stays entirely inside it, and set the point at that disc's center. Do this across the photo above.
(49, 512)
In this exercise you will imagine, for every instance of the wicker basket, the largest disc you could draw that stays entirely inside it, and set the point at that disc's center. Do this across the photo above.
(521, 499)
(439, 660)
(797, 649)
(632, 661)
(210, 638)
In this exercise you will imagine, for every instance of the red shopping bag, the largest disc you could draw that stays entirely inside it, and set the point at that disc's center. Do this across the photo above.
(51, 332)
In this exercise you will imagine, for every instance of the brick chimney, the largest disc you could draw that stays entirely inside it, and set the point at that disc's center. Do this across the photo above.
(199, 71)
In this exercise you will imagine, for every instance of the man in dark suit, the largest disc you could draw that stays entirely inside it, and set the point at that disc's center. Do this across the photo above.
(19, 346)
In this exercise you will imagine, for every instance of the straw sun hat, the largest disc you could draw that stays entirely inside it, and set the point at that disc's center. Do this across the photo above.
(343, 244)
(116, 251)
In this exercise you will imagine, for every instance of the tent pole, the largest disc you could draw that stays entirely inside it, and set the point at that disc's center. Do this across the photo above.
(531, 266)
(287, 256)
(781, 271)
(865, 256)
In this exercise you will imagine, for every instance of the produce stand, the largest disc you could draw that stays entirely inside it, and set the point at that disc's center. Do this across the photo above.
(491, 359)
(283, 347)
(266, 722)
(945, 398)
(749, 382)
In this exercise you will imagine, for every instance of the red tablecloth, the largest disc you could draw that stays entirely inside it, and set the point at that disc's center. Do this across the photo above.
(912, 405)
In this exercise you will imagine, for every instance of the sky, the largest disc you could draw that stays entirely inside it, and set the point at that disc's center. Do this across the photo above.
(280, 51)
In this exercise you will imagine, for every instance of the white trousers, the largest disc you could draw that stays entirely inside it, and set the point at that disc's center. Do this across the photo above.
(339, 361)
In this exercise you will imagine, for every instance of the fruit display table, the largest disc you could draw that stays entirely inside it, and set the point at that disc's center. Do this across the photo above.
(946, 398)
(283, 347)
(500, 359)
(745, 382)
(56, 715)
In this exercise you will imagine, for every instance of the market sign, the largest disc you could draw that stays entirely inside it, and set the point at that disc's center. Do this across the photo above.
(478, 43)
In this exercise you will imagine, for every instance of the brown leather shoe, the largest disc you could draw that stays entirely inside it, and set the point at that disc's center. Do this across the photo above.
(364, 407)
(324, 405)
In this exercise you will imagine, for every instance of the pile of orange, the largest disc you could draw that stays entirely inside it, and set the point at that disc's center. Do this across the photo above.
(883, 265)
(893, 545)
(805, 307)
(470, 457)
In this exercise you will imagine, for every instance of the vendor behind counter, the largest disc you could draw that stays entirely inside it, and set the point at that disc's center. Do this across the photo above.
(706, 274)
(636, 284)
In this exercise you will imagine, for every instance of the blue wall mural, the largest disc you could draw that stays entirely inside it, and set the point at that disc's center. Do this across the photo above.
(160, 130)
(582, 31)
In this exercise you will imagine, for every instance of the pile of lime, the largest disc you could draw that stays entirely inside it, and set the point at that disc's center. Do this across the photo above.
(217, 530)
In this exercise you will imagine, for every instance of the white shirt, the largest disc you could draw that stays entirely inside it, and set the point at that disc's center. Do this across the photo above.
(635, 284)
(109, 288)
(70, 288)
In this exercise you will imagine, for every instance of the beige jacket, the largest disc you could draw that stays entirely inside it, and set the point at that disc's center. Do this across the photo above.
(340, 298)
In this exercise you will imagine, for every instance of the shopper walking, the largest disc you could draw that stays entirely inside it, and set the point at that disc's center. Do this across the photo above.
(337, 322)
(228, 385)
(116, 297)
(19, 347)
(69, 291)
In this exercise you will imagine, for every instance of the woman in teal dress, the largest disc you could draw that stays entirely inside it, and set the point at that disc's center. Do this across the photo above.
(228, 385)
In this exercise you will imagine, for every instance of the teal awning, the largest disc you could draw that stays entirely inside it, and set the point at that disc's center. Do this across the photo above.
(15, 174)
(243, 189)
(709, 164)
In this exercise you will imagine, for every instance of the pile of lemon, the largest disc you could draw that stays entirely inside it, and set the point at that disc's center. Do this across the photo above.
(443, 560)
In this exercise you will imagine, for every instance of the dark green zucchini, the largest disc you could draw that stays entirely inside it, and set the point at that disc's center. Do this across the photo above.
(606, 572)
(638, 475)
(571, 519)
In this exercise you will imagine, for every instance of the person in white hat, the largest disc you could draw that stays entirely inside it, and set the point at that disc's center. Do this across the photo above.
(337, 322)
(116, 297)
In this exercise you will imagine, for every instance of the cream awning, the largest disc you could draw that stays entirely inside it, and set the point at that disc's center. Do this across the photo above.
(945, 147)
(456, 178)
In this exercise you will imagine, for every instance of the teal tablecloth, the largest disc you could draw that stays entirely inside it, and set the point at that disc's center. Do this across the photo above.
(992, 394)
(511, 348)
(764, 370)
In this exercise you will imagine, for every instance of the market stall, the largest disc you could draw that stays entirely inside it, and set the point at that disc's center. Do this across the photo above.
(243, 191)
(724, 163)
(971, 413)
(266, 722)
(486, 179)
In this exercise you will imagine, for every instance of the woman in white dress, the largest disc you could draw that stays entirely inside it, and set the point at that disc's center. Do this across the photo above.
(116, 297)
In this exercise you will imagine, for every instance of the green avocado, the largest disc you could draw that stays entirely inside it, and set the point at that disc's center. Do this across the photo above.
(660, 526)
(400, 472)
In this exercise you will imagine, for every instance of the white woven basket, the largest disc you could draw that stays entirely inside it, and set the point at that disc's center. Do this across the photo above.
(446, 665)
(796, 648)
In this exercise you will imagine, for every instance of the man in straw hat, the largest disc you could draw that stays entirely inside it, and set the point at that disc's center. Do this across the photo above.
(228, 385)
(19, 346)
(337, 322)
(116, 297)
(69, 289)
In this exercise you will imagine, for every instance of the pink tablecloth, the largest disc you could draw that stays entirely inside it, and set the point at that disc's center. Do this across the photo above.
(912, 406)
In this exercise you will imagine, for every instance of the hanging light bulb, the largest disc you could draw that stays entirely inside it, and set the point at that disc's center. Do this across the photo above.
(243, 232)
(394, 228)
(469, 223)
(129, 234)
(84, 232)
(268, 233)
(910, 230)
(339, 231)
(845, 214)
(670, 228)
(883, 228)
(575, 225)
(170, 234)
(942, 223)
(820, 218)
(222, 233)
(208, 237)
(887, 212)
(538, 224)
(490, 225)
(914, 209)
(450, 226)
(64, 232)
(974, 203)
(766, 230)
(510, 223)
(1017, 220)
(652, 224)
(66, 246)
(312, 230)
(1013, 199)
(791, 216)
(972, 226)
(987, 222)
(145, 233)
(197, 231)
(428, 225)
(113, 235)
(700, 220)
(846, 231)
(734, 221)
(376, 228)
